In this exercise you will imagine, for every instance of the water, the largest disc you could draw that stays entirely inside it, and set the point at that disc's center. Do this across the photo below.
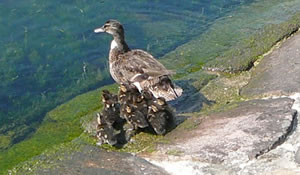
(49, 53)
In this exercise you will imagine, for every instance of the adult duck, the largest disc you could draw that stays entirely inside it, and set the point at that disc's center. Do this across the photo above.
(137, 66)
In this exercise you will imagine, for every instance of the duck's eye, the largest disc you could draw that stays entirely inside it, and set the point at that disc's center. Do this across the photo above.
(106, 25)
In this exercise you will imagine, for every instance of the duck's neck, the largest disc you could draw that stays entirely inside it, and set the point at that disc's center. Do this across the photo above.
(118, 44)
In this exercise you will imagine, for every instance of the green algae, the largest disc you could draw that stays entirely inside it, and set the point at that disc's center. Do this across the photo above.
(49, 158)
(226, 88)
(59, 126)
(234, 42)
(54, 157)
(142, 142)
(199, 79)
(190, 124)
(242, 57)
(5, 141)
(174, 152)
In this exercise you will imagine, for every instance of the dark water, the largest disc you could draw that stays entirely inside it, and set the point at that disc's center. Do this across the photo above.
(49, 53)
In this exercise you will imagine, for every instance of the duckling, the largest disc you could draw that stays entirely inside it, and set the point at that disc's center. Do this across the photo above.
(133, 116)
(122, 95)
(158, 122)
(160, 115)
(140, 102)
(137, 66)
(129, 131)
(126, 93)
(129, 94)
(147, 94)
(111, 108)
(164, 108)
(105, 132)
(109, 98)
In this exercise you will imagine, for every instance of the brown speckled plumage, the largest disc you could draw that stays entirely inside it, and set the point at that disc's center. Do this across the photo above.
(137, 66)
(111, 108)
(160, 115)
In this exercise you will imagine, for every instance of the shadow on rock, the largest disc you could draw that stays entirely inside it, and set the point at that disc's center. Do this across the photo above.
(191, 100)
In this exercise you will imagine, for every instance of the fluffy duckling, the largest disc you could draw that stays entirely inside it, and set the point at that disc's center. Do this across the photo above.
(133, 116)
(140, 102)
(109, 98)
(111, 108)
(105, 132)
(164, 107)
(129, 94)
(147, 95)
(158, 122)
(124, 93)
(160, 115)
(129, 131)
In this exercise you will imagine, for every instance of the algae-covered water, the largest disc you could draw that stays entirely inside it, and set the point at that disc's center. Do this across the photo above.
(49, 53)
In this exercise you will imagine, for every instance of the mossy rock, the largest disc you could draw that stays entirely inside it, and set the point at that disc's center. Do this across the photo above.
(241, 57)
(5, 142)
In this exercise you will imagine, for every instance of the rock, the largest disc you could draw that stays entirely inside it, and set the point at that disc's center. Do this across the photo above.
(240, 133)
(94, 161)
(297, 156)
(278, 73)
(191, 100)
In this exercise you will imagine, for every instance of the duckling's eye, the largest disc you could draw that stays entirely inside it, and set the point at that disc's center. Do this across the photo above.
(106, 25)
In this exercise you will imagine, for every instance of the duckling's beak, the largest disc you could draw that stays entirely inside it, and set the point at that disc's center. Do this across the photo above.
(98, 30)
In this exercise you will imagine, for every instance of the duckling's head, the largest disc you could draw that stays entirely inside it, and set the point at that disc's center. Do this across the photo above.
(112, 27)
(128, 109)
(105, 96)
(147, 94)
(161, 101)
(153, 108)
(123, 88)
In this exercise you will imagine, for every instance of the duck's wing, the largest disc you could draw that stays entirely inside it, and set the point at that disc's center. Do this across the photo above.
(140, 63)
(151, 65)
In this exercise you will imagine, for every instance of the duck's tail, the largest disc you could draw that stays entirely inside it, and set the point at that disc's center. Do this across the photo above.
(164, 87)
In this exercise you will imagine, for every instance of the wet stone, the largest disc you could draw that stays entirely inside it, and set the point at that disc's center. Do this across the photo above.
(282, 65)
(241, 132)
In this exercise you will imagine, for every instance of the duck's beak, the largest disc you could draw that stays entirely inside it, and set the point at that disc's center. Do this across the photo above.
(98, 30)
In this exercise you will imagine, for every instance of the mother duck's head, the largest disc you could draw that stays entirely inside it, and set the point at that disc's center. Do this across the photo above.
(112, 27)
